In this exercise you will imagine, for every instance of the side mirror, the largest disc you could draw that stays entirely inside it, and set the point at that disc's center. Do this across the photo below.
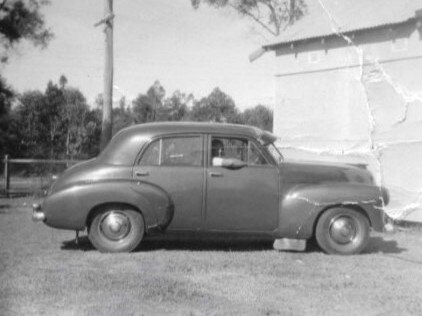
(229, 163)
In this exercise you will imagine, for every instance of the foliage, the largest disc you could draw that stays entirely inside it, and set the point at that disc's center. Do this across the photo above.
(148, 107)
(80, 126)
(59, 124)
(92, 133)
(51, 119)
(19, 20)
(122, 116)
(176, 108)
(6, 97)
(259, 116)
(28, 114)
(22, 19)
(271, 15)
(56, 124)
(217, 107)
(143, 109)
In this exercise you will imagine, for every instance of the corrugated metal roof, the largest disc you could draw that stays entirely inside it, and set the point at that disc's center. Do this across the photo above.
(328, 17)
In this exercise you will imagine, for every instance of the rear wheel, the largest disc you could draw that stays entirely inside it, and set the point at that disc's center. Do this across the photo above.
(116, 228)
(342, 231)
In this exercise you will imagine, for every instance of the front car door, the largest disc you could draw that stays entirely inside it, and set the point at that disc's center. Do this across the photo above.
(244, 199)
(176, 164)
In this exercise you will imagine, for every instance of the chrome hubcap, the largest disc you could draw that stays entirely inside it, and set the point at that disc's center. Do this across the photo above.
(115, 225)
(343, 229)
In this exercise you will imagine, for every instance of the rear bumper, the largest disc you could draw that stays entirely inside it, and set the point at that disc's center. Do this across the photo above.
(37, 214)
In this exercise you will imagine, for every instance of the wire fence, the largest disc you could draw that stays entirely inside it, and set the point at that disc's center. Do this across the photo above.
(30, 176)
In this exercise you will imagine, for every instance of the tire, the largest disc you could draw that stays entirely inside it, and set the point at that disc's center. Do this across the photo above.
(116, 228)
(342, 231)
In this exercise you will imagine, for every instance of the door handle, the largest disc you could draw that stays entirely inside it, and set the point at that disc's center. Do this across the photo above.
(142, 173)
(216, 174)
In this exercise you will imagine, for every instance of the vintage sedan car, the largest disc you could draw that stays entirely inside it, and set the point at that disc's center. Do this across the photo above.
(212, 179)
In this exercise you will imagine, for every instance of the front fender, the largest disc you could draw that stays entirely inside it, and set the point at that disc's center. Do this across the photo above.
(302, 205)
(69, 208)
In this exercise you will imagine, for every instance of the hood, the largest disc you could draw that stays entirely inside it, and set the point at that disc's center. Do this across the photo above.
(89, 171)
(315, 172)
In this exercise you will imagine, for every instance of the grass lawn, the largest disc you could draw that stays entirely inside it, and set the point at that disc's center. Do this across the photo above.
(43, 272)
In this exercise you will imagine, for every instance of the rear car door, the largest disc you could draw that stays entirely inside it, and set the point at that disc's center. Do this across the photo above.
(176, 164)
(244, 199)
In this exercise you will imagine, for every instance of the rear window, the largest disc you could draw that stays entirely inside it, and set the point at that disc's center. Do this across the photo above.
(122, 149)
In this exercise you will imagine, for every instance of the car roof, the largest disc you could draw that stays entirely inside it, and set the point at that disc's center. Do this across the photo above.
(161, 128)
(125, 145)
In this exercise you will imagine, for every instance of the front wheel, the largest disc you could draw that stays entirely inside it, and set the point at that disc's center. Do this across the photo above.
(116, 228)
(342, 231)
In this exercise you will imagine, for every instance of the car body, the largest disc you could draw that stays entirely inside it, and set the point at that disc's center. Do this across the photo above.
(216, 180)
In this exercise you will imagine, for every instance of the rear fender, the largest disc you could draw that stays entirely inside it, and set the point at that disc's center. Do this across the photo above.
(302, 205)
(70, 207)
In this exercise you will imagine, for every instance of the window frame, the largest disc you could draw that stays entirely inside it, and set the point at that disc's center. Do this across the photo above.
(160, 138)
(270, 162)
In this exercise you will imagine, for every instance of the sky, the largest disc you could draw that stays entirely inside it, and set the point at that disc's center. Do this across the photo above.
(193, 51)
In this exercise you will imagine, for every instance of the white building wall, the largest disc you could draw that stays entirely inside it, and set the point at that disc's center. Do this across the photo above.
(359, 103)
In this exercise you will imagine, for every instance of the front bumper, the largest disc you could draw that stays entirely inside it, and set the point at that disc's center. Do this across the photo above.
(37, 213)
(380, 221)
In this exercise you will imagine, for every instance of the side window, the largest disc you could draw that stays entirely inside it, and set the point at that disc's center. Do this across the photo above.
(151, 156)
(173, 151)
(237, 148)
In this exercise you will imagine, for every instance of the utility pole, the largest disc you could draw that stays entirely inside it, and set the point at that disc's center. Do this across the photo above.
(106, 127)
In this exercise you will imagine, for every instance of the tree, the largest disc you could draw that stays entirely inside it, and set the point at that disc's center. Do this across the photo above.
(52, 117)
(6, 97)
(30, 130)
(122, 116)
(19, 20)
(22, 19)
(176, 107)
(259, 116)
(142, 108)
(62, 82)
(56, 124)
(91, 144)
(74, 112)
(146, 107)
(216, 107)
(272, 15)
(156, 94)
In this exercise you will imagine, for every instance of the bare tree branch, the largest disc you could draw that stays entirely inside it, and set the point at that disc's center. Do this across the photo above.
(272, 17)
(253, 17)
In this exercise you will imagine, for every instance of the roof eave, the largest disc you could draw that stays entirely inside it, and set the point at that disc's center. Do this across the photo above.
(293, 43)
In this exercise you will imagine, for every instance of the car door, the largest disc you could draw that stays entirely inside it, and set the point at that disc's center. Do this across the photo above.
(176, 164)
(243, 199)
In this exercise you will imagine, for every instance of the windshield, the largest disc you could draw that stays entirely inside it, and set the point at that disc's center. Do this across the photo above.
(275, 153)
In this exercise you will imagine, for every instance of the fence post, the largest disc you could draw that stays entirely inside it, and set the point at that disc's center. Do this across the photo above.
(6, 175)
